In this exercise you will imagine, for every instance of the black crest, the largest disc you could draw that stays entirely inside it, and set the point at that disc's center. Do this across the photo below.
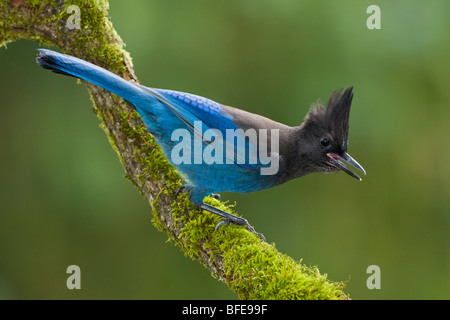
(332, 119)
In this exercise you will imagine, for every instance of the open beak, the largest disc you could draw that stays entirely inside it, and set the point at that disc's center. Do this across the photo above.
(337, 162)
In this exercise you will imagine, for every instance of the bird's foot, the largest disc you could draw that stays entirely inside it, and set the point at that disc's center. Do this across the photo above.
(229, 218)
(240, 222)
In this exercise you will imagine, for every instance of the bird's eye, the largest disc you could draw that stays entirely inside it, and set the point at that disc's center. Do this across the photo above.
(325, 142)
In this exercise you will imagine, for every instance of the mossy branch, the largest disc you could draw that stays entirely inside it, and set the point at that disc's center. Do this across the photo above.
(250, 267)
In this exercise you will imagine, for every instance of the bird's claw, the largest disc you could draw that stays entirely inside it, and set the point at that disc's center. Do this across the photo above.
(179, 190)
(222, 222)
(240, 222)
(215, 196)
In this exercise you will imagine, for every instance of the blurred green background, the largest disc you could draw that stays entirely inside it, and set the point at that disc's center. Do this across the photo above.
(63, 198)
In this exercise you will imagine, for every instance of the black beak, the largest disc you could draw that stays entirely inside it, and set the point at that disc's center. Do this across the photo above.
(336, 161)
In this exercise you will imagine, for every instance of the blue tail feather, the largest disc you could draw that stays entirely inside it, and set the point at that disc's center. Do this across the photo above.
(68, 65)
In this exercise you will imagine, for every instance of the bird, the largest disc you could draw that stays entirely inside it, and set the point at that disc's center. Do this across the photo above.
(218, 148)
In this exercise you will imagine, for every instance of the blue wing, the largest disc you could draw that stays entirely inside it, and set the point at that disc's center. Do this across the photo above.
(209, 112)
(190, 108)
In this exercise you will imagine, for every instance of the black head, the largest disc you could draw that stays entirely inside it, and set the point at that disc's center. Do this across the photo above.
(324, 142)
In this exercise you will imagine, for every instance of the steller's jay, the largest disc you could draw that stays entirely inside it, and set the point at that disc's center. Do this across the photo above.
(220, 148)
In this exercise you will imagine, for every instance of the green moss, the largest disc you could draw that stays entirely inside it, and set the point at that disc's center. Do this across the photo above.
(149, 155)
(251, 268)
(34, 3)
(156, 220)
(274, 276)
(152, 162)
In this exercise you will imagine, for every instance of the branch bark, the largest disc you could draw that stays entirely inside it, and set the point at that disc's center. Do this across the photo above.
(251, 268)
